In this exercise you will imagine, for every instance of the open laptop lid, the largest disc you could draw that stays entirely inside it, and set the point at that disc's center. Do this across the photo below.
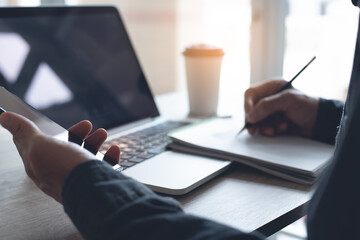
(73, 63)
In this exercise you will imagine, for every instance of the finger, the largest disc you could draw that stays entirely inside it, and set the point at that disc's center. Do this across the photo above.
(273, 125)
(268, 106)
(22, 130)
(112, 156)
(79, 132)
(282, 127)
(257, 92)
(267, 130)
(252, 130)
(95, 140)
(277, 128)
(249, 100)
(20, 127)
(278, 122)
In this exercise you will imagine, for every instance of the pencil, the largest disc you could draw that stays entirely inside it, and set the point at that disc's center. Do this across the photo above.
(284, 87)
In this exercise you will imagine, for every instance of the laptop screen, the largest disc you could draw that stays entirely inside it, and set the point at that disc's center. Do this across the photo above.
(73, 63)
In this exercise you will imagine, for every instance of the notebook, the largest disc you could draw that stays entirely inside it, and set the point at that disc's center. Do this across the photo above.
(293, 158)
(75, 63)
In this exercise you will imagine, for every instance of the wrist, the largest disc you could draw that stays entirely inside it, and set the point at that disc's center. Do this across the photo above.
(327, 120)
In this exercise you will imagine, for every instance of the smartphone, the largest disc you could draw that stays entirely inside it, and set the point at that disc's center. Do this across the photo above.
(12, 103)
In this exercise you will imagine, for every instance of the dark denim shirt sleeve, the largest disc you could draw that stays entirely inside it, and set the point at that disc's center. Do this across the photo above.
(105, 204)
(328, 120)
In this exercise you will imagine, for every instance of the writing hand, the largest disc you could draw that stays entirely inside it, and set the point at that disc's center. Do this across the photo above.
(289, 111)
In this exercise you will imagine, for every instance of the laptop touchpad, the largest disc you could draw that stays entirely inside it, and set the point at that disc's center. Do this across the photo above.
(176, 173)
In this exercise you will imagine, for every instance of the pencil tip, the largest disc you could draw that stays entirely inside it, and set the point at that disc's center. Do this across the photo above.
(241, 131)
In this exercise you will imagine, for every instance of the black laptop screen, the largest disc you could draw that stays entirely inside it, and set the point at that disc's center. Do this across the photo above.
(73, 63)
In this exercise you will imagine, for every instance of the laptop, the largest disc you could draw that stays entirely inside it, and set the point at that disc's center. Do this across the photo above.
(61, 65)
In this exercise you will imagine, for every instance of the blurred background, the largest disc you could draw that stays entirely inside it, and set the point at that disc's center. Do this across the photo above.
(262, 39)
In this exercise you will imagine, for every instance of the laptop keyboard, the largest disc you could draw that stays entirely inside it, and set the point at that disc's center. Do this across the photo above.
(139, 146)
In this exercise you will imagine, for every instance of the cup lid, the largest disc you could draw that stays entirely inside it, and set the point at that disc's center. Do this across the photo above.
(203, 50)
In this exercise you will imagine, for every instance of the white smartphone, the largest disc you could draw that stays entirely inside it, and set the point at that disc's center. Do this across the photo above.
(11, 103)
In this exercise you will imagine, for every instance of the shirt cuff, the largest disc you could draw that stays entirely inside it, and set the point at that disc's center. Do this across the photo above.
(328, 120)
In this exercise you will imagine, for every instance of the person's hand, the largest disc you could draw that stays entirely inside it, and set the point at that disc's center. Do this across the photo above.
(48, 161)
(289, 111)
(79, 134)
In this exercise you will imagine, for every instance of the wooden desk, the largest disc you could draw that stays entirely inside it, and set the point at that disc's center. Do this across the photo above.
(241, 197)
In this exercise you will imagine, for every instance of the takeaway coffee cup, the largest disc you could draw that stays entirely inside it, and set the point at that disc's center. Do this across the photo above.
(203, 65)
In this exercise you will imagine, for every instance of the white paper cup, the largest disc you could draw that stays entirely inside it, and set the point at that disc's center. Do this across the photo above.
(203, 65)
